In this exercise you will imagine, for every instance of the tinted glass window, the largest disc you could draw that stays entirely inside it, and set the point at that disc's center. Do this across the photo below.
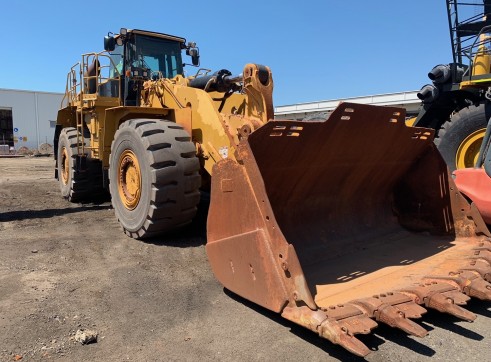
(156, 54)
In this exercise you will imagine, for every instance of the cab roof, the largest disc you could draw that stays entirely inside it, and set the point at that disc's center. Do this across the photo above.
(158, 35)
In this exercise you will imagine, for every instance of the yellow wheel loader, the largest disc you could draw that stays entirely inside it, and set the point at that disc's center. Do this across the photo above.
(457, 103)
(338, 224)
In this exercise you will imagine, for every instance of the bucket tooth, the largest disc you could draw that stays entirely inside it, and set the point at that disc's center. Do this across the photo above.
(411, 310)
(480, 266)
(395, 310)
(394, 317)
(338, 324)
(457, 297)
(343, 322)
(478, 288)
(443, 297)
(482, 254)
(484, 244)
(443, 302)
(343, 337)
(351, 317)
(469, 282)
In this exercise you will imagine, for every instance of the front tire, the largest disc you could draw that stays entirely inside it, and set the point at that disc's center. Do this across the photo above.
(154, 179)
(459, 139)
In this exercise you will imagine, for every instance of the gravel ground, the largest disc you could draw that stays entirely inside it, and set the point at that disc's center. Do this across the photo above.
(68, 267)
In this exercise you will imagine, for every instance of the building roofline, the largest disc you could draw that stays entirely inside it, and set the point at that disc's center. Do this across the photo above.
(29, 91)
(398, 98)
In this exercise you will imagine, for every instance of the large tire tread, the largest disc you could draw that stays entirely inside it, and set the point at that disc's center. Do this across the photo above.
(453, 132)
(172, 179)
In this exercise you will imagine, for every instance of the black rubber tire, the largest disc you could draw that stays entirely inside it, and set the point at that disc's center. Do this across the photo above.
(170, 179)
(79, 186)
(98, 193)
(454, 131)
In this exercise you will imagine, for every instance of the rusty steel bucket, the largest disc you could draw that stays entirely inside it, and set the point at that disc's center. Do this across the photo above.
(341, 224)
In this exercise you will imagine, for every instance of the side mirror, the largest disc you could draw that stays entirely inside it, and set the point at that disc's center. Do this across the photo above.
(109, 43)
(194, 53)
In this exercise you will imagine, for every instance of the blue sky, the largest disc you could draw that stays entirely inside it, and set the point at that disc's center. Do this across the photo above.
(317, 50)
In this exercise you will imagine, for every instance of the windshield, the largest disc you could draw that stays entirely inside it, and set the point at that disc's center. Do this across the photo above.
(156, 54)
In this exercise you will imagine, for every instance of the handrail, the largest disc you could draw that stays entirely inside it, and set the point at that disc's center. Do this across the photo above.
(75, 89)
(469, 51)
(70, 87)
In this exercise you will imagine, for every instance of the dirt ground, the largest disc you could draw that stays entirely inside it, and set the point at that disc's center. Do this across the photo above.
(67, 267)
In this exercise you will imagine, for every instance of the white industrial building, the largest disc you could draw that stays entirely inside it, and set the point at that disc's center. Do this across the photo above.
(28, 118)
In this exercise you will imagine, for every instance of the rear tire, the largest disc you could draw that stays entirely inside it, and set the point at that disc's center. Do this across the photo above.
(75, 184)
(154, 179)
(460, 138)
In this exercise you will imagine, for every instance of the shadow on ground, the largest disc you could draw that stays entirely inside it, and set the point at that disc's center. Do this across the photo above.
(48, 213)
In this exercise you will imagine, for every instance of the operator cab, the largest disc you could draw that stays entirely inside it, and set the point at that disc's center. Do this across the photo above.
(138, 56)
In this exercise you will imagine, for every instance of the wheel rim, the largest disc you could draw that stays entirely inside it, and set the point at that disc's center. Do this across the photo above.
(468, 151)
(129, 179)
(65, 166)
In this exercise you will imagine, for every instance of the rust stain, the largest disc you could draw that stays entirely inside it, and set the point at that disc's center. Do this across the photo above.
(344, 224)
